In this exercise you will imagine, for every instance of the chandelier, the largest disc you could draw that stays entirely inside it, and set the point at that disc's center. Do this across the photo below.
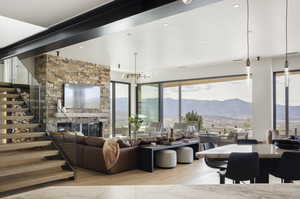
(135, 76)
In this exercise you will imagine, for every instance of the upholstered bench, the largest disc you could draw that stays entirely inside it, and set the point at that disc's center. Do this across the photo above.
(166, 159)
(185, 155)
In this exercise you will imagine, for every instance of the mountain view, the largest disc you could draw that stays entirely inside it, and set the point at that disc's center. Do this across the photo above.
(227, 113)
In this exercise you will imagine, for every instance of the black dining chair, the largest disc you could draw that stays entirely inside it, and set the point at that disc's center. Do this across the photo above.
(242, 167)
(215, 163)
(247, 141)
(288, 167)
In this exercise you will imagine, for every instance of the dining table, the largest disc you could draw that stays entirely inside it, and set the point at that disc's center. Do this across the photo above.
(268, 154)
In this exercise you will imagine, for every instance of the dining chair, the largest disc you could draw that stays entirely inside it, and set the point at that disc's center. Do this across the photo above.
(288, 167)
(215, 163)
(247, 141)
(241, 167)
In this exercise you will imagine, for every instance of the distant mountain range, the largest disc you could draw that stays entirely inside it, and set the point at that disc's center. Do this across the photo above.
(232, 108)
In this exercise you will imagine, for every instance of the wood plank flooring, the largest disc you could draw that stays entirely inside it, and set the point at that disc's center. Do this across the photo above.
(196, 173)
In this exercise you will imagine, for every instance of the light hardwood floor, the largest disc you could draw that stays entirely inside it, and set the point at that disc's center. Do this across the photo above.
(196, 173)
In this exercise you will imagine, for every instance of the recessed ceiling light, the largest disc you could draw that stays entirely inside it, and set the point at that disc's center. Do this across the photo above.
(166, 24)
(80, 47)
(236, 5)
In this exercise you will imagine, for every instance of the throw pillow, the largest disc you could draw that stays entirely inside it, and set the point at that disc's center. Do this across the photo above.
(95, 141)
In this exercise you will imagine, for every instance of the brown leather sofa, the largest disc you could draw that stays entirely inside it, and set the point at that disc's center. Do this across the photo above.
(84, 155)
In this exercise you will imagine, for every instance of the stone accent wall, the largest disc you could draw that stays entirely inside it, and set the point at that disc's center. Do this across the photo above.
(53, 72)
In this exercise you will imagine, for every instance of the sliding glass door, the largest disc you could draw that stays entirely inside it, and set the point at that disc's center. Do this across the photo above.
(171, 106)
(279, 111)
(287, 103)
(148, 103)
(120, 108)
(294, 103)
(224, 103)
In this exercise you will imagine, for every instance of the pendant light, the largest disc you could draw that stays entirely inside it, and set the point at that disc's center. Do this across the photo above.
(135, 76)
(248, 62)
(286, 63)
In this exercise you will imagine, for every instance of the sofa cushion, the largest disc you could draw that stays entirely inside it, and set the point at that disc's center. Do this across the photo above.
(81, 140)
(95, 141)
(68, 138)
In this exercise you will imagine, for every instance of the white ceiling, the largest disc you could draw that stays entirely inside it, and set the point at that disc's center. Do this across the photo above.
(46, 12)
(211, 34)
(14, 30)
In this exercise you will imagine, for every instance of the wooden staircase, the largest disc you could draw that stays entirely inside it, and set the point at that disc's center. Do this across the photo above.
(28, 156)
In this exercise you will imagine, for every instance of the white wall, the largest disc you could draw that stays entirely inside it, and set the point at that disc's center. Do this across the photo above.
(262, 98)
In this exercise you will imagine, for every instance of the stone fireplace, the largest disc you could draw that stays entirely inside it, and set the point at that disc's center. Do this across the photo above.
(53, 73)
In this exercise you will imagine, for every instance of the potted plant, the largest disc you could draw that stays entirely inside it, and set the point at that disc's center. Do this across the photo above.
(135, 124)
(193, 117)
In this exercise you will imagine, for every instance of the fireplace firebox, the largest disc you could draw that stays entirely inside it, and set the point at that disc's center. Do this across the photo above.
(87, 129)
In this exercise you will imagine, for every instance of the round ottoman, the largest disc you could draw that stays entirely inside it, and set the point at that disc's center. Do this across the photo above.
(166, 159)
(185, 155)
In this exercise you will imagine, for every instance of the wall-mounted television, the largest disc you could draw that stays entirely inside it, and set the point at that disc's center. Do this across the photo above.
(80, 96)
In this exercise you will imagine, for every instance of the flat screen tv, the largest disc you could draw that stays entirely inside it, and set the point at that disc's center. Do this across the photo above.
(80, 96)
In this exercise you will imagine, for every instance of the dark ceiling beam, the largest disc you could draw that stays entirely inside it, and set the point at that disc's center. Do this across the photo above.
(116, 16)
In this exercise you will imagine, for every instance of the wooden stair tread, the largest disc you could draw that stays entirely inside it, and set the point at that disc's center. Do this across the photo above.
(25, 145)
(9, 95)
(30, 117)
(4, 89)
(11, 102)
(19, 126)
(30, 179)
(26, 155)
(13, 110)
(35, 166)
(5, 84)
(22, 135)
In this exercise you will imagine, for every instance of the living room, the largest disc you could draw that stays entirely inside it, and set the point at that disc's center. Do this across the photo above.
(163, 93)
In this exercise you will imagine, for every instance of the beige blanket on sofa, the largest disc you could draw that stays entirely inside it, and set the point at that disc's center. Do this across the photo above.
(111, 152)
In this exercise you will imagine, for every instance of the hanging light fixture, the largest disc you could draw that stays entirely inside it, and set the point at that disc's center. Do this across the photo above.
(187, 1)
(248, 62)
(135, 76)
(286, 63)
